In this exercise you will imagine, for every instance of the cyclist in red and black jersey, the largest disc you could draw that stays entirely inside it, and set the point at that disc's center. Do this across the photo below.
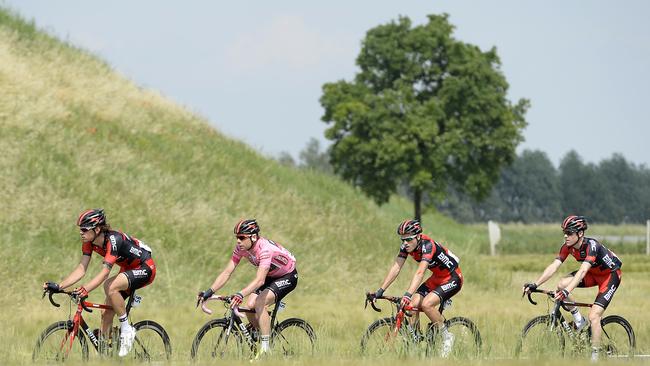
(600, 267)
(137, 269)
(446, 279)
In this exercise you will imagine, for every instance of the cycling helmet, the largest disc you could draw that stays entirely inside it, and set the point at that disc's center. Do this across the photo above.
(247, 227)
(574, 224)
(90, 219)
(409, 227)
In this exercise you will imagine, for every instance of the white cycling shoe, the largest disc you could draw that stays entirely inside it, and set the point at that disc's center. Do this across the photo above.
(126, 341)
(447, 345)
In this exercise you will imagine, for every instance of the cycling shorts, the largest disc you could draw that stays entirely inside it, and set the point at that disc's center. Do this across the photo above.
(444, 287)
(139, 277)
(607, 285)
(280, 286)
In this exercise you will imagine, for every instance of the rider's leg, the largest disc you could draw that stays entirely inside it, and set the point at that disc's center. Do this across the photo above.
(265, 298)
(595, 315)
(577, 317)
(429, 306)
(108, 314)
(416, 302)
(251, 305)
(120, 283)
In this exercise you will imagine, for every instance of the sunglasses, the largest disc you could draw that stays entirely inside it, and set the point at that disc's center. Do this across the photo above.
(85, 229)
(569, 232)
(408, 238)
(242, 237)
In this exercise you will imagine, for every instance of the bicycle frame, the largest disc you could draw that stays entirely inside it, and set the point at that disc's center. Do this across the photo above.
(234, 317)
(556, 315)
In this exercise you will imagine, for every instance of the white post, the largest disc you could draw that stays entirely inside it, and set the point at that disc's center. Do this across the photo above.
(495, 235)
(647, 238)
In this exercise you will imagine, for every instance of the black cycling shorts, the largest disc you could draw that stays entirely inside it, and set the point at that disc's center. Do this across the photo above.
(139, 277)
(281, 286)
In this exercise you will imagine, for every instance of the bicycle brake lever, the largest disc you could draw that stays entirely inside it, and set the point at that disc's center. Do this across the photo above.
(52, 300)
(531, 299)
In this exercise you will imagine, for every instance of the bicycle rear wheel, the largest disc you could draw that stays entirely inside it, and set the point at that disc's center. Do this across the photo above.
(216, 340)
(151, 342)
(541, 338)
(293, 337)
(381, 338)
(53, 345)
(467, 338)
(618, 339)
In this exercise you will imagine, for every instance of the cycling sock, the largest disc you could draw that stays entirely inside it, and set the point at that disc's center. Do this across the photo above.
(265, 343)
(124, 322)
(444, 331)
(577, 316)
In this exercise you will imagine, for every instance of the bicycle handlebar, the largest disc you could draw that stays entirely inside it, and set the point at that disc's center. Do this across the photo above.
(370, 298)
(71, 294)
(564, 304)
(225, 299)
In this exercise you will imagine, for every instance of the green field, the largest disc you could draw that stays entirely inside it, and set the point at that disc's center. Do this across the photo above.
(75, 134)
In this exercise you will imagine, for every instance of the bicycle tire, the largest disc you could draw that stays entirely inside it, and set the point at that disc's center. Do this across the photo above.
(539, 339)
(151, 342)
(467, 338)
(49, 344)
(293, 336)
(612, 341)
(380, 338)
(221, 342)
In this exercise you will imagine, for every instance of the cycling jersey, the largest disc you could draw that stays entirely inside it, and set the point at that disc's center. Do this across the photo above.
(442, 262)
(121, 249)
(266, 253)
(602, 260)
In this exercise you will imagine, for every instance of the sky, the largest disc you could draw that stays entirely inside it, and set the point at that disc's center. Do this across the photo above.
(255, 69)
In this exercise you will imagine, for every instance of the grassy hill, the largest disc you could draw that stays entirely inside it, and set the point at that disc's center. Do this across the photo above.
(75, 134)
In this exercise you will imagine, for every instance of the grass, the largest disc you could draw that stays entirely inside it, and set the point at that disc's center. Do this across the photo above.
(74, 134)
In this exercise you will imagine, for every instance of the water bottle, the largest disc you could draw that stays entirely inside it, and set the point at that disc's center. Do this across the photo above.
(281, 306)
(137, 299)
(447, 304)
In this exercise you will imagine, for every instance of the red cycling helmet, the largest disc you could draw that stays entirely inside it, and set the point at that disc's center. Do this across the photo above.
(574, 224)
(90, 219)
(247, 227)
(409, 227)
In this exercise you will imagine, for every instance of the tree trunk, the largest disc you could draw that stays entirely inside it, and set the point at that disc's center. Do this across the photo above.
(417, 200)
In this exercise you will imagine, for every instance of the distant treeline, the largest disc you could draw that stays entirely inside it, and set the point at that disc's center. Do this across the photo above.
(532, 190)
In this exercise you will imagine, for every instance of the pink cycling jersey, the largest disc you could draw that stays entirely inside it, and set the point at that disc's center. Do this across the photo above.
(267, 253)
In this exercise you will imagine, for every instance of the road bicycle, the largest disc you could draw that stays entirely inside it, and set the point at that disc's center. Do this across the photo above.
(552, 334)
(230, 338)
(389, 335)
(66, 340)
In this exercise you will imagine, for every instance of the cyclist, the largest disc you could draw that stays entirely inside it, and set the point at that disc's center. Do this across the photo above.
(600, 267)
(276, 276)
(446, 279)
(137, 269)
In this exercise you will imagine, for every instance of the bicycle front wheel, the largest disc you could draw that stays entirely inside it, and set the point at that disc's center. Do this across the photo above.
(151, 342)
(618, 339)
(466, 338)
(216, 340)
(541, 338)
(382, 338)
(55, 344)
(294, 337)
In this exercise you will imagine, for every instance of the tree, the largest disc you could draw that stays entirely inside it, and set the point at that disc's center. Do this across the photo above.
(425, 110)
(311, 157)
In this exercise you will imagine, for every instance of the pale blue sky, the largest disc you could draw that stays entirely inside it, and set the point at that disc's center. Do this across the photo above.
(255, 69)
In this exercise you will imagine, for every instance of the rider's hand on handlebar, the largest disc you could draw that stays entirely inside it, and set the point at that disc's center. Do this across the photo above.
(379, 293)
(561, 295)
(51, 287)
(80, 292)
(204, 295)
(236, 299)
(406, 299)
(529, 287)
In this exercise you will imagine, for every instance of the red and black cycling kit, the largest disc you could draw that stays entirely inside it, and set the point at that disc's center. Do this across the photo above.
(447, 279)
(132, 255)
(605, 271)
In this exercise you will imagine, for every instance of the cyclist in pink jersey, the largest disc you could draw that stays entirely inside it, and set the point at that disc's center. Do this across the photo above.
(276, 276)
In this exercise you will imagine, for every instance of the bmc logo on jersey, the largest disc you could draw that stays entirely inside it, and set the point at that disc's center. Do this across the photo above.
(135, 251)
(442, 257)
(113, 243)
(448, 286)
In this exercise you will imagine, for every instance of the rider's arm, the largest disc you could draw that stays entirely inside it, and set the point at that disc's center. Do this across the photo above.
(584, 268)
(224, 276)
(257, 282)
(417, 277)
(100, 278)
(393, 272)
(76, 273)
(549, 271)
